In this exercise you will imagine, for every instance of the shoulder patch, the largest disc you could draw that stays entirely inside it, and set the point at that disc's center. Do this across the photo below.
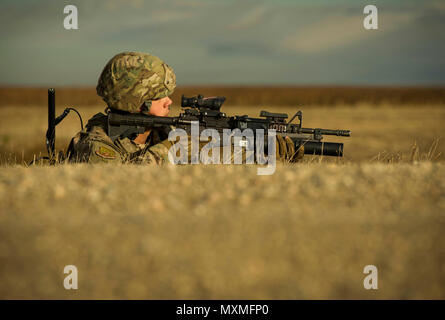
(106, 153)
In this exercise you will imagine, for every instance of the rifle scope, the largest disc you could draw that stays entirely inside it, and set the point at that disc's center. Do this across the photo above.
(212, 103)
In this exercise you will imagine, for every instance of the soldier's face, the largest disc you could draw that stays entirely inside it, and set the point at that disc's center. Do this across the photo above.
(161, 107)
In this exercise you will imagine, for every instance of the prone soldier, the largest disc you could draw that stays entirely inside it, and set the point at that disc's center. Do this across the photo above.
(134, 82)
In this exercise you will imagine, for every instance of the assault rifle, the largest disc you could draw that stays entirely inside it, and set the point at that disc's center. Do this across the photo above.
(207, 112)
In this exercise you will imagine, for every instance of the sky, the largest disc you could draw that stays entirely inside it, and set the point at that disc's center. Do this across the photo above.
(227, 42)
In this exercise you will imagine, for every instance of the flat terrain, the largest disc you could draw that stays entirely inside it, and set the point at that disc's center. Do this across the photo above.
(390, 131)
(223, 232)
(248, 95)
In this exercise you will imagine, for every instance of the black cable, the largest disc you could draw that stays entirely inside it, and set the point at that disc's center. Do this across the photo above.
(57, 121)
(80, 118)
(65, 113)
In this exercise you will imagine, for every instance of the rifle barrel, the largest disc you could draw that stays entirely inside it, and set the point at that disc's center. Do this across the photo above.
(342, 133)
(140, 120)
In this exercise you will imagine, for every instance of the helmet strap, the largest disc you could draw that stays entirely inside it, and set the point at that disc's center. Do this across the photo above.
(145, 108)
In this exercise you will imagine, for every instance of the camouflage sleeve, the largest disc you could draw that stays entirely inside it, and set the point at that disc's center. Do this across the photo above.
(159, 153)
(85, 148)
(103, 153)
(156, 154)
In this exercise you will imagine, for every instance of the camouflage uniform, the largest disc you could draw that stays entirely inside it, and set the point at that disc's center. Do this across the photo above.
(93, 145)
(129, 82)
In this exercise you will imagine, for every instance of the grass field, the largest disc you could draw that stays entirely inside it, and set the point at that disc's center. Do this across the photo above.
(305, 96)
(389, 131)
(223, 232)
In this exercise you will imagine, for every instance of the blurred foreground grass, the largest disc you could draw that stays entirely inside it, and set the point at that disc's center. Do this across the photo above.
(223, 232)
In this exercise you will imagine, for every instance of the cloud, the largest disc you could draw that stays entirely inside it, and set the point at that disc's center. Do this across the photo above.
(247, 48)
(189, 3)
(167, 16)
(438, 5)
(250, 19)
(114, 5)
(340, 30)
(213, 41)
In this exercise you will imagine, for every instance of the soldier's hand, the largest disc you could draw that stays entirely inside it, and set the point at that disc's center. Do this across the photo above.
(286, 150)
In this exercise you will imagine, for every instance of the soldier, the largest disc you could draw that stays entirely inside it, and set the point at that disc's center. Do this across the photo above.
(131, 82)
(137, 83)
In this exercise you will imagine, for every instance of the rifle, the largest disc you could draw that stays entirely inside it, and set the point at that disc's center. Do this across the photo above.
(207, 112)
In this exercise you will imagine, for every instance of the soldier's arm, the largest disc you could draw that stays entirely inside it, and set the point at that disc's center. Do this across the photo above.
(158, 153)
(285, 151)
(103, 153)
(85, 147)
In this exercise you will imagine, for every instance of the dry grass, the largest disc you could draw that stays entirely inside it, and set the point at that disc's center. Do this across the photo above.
(223, 232)
(387, 131)
(248, 95)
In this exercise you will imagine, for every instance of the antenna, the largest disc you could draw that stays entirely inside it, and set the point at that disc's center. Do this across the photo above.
(51, 133)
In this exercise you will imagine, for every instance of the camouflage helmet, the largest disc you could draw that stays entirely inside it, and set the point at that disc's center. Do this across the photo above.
(131, 79)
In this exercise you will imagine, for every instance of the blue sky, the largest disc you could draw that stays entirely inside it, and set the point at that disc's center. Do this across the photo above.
(210, 42)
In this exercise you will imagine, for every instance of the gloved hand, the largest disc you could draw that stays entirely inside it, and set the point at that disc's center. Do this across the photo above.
(286, 150)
